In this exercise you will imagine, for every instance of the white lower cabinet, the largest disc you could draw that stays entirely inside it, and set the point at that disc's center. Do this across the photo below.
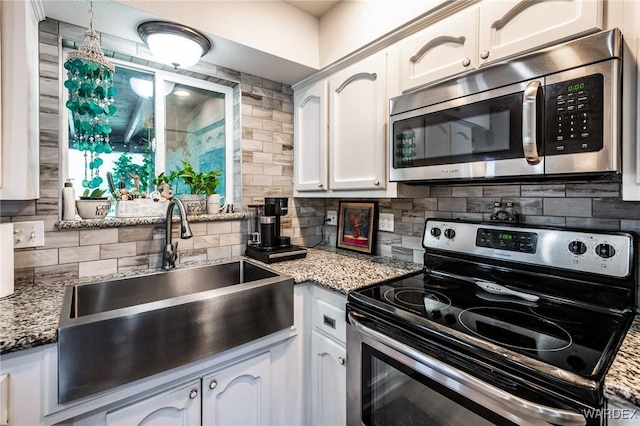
(328, 381)
(176, 407)
(235, 395)
(239, 394)
(328, 358)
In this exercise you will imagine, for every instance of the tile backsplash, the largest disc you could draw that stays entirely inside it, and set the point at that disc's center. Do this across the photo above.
(267, 170)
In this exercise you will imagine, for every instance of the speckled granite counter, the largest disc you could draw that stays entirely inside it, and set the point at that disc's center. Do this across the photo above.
(29, 317)
(622, 384)
(115, 222)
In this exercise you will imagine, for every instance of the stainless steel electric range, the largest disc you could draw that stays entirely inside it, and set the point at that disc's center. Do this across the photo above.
(507, 324)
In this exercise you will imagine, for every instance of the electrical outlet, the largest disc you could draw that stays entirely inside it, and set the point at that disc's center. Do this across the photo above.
(28, 234)
(386, 222)
(332, 215)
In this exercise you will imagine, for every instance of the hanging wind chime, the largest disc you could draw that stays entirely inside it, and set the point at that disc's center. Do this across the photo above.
(91, 102)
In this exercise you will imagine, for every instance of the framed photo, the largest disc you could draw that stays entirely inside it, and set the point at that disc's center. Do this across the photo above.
(357, 226)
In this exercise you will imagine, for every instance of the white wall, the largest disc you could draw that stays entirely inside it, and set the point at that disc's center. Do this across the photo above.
(352, 24)
(273, 27)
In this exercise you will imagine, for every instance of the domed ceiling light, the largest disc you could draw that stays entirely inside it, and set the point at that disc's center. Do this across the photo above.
(174, 44)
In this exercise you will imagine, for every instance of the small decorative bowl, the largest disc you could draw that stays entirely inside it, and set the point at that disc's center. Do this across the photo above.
(93, 208)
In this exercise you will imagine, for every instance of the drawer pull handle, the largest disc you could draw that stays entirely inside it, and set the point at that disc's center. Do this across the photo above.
(329, 321)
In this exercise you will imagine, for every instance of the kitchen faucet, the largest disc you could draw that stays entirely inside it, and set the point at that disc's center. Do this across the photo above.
(170, 249)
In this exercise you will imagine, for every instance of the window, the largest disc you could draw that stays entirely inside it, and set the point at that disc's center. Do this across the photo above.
(198, 127)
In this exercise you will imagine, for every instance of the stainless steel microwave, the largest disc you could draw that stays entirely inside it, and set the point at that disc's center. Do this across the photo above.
(550, 113)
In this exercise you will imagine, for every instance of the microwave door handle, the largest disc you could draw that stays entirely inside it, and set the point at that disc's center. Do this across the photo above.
(530, 123)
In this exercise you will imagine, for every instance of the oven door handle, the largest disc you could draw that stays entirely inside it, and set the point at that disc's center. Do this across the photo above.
(513, 403)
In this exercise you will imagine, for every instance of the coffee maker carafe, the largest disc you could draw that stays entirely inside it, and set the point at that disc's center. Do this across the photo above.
(265, 241)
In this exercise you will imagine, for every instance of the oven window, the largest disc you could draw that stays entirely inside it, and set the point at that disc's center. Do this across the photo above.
(482, 131)
(394, 394)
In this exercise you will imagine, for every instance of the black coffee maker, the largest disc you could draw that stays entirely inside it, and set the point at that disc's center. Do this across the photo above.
(265, 242)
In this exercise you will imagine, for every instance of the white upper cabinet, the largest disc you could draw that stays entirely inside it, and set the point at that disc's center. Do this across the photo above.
(491, 31)
(357, 129)
(20, 102)
(509, 27)
(440, 51)
(311, 147)
(340, 127)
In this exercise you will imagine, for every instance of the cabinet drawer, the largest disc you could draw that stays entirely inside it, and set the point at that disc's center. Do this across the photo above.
(329, 319)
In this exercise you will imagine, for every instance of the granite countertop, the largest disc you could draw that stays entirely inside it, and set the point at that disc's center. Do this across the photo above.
(622, 383)
(30, 316)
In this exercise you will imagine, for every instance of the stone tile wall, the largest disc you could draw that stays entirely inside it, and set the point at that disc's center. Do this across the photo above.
(267, 169)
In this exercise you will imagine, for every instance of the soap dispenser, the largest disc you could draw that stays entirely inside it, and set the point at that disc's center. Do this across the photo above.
(68, 201)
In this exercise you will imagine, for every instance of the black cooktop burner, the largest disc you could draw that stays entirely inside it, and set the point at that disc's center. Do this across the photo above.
(417, 298)
(515, 329)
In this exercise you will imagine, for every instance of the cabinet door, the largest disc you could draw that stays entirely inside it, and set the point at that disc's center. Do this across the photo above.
(310, 149)
(328, 381)
(238, 394)
(442, 51)
(508, 27)
(180, 406)
(357, 131)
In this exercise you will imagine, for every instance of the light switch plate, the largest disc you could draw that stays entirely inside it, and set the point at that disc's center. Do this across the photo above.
(28, 234)
(385, 222)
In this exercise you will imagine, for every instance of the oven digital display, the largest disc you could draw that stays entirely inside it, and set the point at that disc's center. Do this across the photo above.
(501, 239)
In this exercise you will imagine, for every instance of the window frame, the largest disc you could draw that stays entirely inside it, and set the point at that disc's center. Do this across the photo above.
(160, 76)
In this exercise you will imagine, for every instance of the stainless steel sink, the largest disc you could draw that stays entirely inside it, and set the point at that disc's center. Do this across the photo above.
(114, 332)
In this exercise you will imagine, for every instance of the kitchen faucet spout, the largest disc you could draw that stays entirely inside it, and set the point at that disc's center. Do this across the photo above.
(170, 249)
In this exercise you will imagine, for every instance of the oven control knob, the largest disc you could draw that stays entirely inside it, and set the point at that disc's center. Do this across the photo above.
(577, 247)
(449, 233)
(605, 250)
(435, 232)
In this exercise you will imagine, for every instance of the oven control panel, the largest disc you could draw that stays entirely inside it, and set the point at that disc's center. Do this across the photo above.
(609, 254)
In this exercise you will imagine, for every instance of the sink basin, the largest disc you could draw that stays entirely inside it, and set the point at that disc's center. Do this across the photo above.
(108, 330)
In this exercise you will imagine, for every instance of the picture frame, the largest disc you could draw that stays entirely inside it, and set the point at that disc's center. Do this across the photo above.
(357, 226)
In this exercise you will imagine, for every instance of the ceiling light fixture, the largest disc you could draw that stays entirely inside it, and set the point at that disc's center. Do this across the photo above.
(174, 44)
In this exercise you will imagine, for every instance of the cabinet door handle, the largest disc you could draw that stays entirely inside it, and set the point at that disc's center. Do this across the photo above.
(213, 385)
(466, 62)
(341, 360)
(376, 182)
(193, 394)
(484, 54)
(359, 76)
(320, 185)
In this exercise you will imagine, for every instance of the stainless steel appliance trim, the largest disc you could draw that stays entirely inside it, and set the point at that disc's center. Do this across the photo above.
(517, 166)
(552, 247)
(498, 400)
(608, 158)
(530, 122)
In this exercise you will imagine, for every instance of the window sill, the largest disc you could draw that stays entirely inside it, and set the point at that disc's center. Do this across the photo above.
(117, 222)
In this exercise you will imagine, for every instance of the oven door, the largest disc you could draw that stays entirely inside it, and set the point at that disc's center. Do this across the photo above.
(391, 383)
(496, 133)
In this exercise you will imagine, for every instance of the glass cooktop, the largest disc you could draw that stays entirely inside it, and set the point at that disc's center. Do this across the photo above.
(568, 337)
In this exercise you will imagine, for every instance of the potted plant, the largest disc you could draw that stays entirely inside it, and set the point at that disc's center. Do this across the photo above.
(93, 204)
(201, 185)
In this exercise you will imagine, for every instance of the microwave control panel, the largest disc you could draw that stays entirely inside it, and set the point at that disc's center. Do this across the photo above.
(575, 112)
